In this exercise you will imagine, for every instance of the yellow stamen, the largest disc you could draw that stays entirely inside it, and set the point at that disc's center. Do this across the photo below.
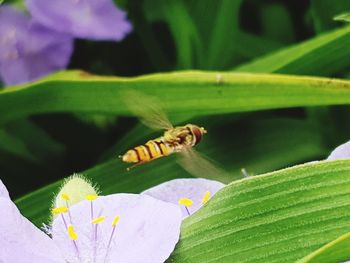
(205, 197)
(98, 220)
(91, 197)
(59, 210)
(186, 202)
(65, 197)
(116, 220)
(71, 232)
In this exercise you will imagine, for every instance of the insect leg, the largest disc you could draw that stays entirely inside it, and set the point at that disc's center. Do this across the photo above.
(135, 165)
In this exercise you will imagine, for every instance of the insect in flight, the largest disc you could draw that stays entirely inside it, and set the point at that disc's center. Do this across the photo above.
(180, 139)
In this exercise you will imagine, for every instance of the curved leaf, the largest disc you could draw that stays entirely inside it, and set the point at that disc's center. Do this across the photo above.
(219, 93)
(322, 55)
(343, 17)
(337, 250)
(277, 217)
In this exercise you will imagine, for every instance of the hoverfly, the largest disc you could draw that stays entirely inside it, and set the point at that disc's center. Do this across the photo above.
(179, 140)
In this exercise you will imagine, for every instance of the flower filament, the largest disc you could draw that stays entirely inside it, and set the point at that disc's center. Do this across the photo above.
(114, 224)
(73, 235)
(186, 202)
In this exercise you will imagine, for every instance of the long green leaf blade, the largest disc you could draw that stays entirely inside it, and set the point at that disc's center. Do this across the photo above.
(219, 93)
(343, 17)
(322, 55)
(277, 217)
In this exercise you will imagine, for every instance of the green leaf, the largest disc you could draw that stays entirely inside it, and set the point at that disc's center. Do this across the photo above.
(182, 27)
(148, 37)
(11, 145)
(198, 43)
(276, 217)
(253, 46)
(223, 35)
(337, 250)
(263, 145)
(343, 17)
(37, 141)
(283, 30)
(219, 93)
(323, 55)
(323, 12)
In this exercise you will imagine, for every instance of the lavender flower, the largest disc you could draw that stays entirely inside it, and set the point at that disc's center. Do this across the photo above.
(190, 194)
(341, 152)
(91, 19)
(114, 228)
(3, 191)
(29, 50)
(20, 240)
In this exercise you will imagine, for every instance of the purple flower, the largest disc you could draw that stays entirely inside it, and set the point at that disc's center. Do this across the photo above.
(190, 194)
(113, 228)
(341, 152)
(29, 50)
(91, 19)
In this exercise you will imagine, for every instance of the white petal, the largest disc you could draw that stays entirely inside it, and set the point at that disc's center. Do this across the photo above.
(193, 189)
(3, 191)
(341, 152)
(147, 232)
(21, 241)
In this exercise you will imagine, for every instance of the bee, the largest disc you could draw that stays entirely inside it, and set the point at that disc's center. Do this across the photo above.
(179, 139)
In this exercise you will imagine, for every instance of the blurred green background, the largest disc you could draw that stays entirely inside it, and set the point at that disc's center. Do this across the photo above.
(188, 34)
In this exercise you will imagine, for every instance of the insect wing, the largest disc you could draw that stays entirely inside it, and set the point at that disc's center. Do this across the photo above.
(201, 166)
(148, 109)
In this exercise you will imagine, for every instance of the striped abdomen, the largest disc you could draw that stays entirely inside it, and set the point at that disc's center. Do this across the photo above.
(151, 150)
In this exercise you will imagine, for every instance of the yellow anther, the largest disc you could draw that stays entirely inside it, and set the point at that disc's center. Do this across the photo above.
(65, 197)
(59, 210)
(205, 197)
(71, 233)
(98, 220)
(185, 201)
(91, 197)
(115, 221)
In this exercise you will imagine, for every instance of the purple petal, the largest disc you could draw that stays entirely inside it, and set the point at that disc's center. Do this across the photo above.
(193, 189)
(148, 230)
(29, 50)
(21, 241)
(3, 191)
(100, 20)
(341, 152)
(13, 28)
